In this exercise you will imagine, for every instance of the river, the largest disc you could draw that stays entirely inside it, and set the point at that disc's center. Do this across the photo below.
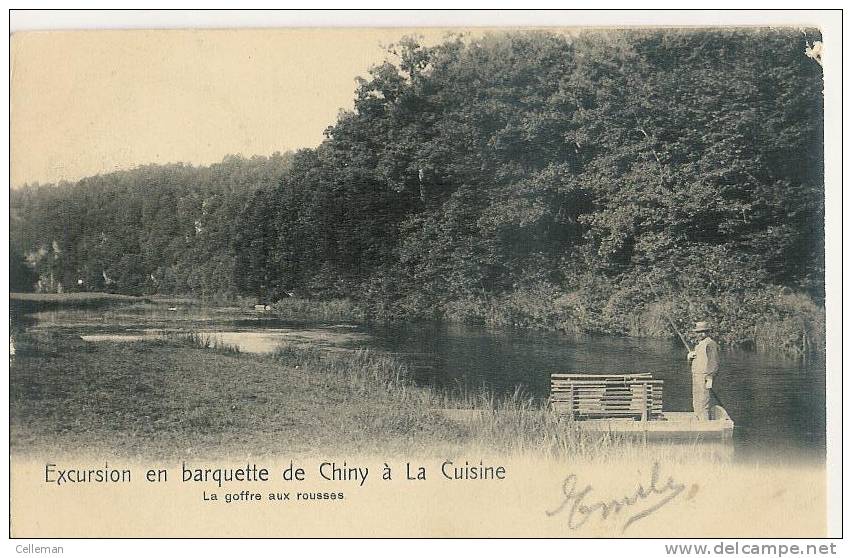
(777, 402)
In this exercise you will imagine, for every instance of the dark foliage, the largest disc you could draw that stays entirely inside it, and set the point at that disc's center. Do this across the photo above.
(472, 174)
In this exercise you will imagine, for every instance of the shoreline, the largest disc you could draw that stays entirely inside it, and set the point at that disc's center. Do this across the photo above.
(778, 337)
(178, 402)
(183, 395)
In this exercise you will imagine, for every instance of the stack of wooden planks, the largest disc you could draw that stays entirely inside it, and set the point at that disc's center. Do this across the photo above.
(583, 396)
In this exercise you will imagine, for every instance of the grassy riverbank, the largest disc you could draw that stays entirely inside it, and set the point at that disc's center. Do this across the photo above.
(339, 309)
(770, 319)
(172, 397)
(21, 304)
(181, 396)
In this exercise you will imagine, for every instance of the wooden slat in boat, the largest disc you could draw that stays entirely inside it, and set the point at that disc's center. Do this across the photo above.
(604, 382)
(601, 376)
(605, 404)
(611, 391)
(601, 392)
(582, 396)
(673, 425)
(670, 425)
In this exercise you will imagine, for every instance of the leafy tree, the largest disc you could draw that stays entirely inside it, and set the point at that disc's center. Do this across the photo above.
(22, 278)
(488, 174)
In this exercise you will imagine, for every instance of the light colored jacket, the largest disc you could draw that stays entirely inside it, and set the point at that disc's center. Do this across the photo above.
(706, 361)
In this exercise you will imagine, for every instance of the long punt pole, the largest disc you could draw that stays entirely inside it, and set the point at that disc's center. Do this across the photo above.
(682, 338)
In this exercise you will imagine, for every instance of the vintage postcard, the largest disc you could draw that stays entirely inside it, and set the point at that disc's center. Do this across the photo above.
(553, 280)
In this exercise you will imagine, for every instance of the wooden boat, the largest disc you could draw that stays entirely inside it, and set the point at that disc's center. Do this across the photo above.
(683, 425)
(629, 404)
(671, 425)
(619, 404)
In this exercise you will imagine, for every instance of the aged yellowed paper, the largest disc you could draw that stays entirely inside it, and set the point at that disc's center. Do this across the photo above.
(419, 282)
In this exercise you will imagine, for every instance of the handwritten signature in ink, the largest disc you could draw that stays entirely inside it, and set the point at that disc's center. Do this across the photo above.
(644, 501)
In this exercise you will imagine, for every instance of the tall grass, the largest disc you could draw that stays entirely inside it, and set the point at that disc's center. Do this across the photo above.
(516, 423)
(318, 396)
(200, 341)
(340, 309)
(46, 343)
(535, 307)
(797, 326)
(74, 299)
(510, 424)
(768, 319)
(366, 369)
(23, 304)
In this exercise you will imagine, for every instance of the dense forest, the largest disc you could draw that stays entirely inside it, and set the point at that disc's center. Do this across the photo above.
(154, 229)
(589, 182)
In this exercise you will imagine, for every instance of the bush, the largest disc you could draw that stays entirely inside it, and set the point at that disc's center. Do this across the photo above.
(341, 309)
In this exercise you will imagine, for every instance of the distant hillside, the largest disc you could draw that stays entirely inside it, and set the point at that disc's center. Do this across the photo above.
(153, 229)
(523, 179)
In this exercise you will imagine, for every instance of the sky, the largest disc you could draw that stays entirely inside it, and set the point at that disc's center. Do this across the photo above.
(89, 102)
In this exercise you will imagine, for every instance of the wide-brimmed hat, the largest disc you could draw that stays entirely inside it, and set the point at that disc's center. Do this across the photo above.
(702, 326)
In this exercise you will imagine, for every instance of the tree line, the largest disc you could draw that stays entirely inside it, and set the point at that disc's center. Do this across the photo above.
(164, 229)
(526, 178)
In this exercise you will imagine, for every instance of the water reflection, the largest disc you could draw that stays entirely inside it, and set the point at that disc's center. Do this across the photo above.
(777, 403)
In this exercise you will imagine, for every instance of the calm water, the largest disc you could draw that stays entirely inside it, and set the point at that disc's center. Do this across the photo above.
(777, 403)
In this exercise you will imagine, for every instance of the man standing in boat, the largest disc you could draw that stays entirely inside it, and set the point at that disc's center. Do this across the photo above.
(705, 364)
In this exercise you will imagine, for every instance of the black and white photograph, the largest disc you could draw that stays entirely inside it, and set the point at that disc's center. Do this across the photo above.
(559, 280)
